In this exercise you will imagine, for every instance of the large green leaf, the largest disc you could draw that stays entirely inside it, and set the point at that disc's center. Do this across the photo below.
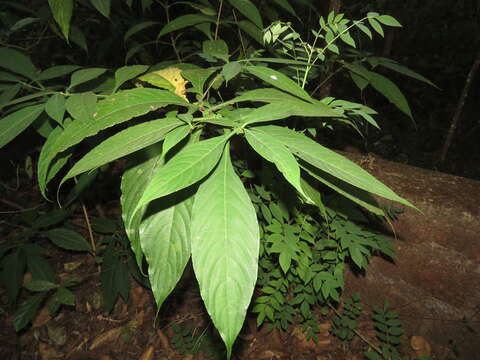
(225, 248)
(137, 28)
(358, 196)
(278, 80)
(393, 65)
(165, 241)
(14, 123)
(62, 13)
(126, 73)
(331, 162)
(56, 72)
(252, 30)
(274, 151)
(83, 75)
(384, 86)
(68, 239)
(286, 5)
(17, 62)
(114, 110)
(134, 182)
(189, 166)
(286, 108)
(249, 10)
(183, 22)
(263, 95)
(123, 143)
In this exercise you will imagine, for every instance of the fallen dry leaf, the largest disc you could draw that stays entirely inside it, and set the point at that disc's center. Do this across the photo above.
(42, 317)
(420, 346)
(109, 336)
(148, 354)
(48, 353)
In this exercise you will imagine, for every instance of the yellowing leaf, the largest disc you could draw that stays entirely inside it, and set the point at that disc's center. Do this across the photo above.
(169, 78)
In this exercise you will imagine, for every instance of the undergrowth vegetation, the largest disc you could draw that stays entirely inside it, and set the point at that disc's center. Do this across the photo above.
(224, 166)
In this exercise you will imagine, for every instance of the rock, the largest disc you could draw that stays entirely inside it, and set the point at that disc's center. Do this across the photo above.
(435, 282)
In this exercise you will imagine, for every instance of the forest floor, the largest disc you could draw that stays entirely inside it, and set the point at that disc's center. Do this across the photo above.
(134, 329)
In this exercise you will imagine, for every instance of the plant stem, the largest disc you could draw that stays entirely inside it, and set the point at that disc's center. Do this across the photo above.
(218, 20)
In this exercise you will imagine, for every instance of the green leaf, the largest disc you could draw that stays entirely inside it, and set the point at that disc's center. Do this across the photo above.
(287, 108)
(82, 106)
(189, 166)
(84, 75)
(126, 73)
(331, 162)
(115, 279)
(347, 39)
(388, 20)
(123, 143)
(78, 38)
(225, 247)
(360, 81)
(64, 296)
(183, 22)
(231, 69)
(56, 72)
(62, 13)
(103, 6)
(385, 87)
(197, 78)
(51, 218)
(274, 151)
(278, 80)
(39, 285)
(252, 30)
(285, 260)
(40, 268)
(14, 123)
(249, 10)
(27, 311)
(68, 239)
(137, 28)
(216, 48)
(13, 266)
(364, 29)
(114, 110)
(358, 196)
(8, 77)
(55, 107)
(174, 137)
(286, 5)
(17, 62)
(393, 65)
(268, 95)
(376, 26)
(165, 241)
(134, 182)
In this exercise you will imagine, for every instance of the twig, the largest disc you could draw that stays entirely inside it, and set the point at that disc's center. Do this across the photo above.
(89, 226)
(459, 108)
(16, 206)
(218, 19)
(87, 222)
